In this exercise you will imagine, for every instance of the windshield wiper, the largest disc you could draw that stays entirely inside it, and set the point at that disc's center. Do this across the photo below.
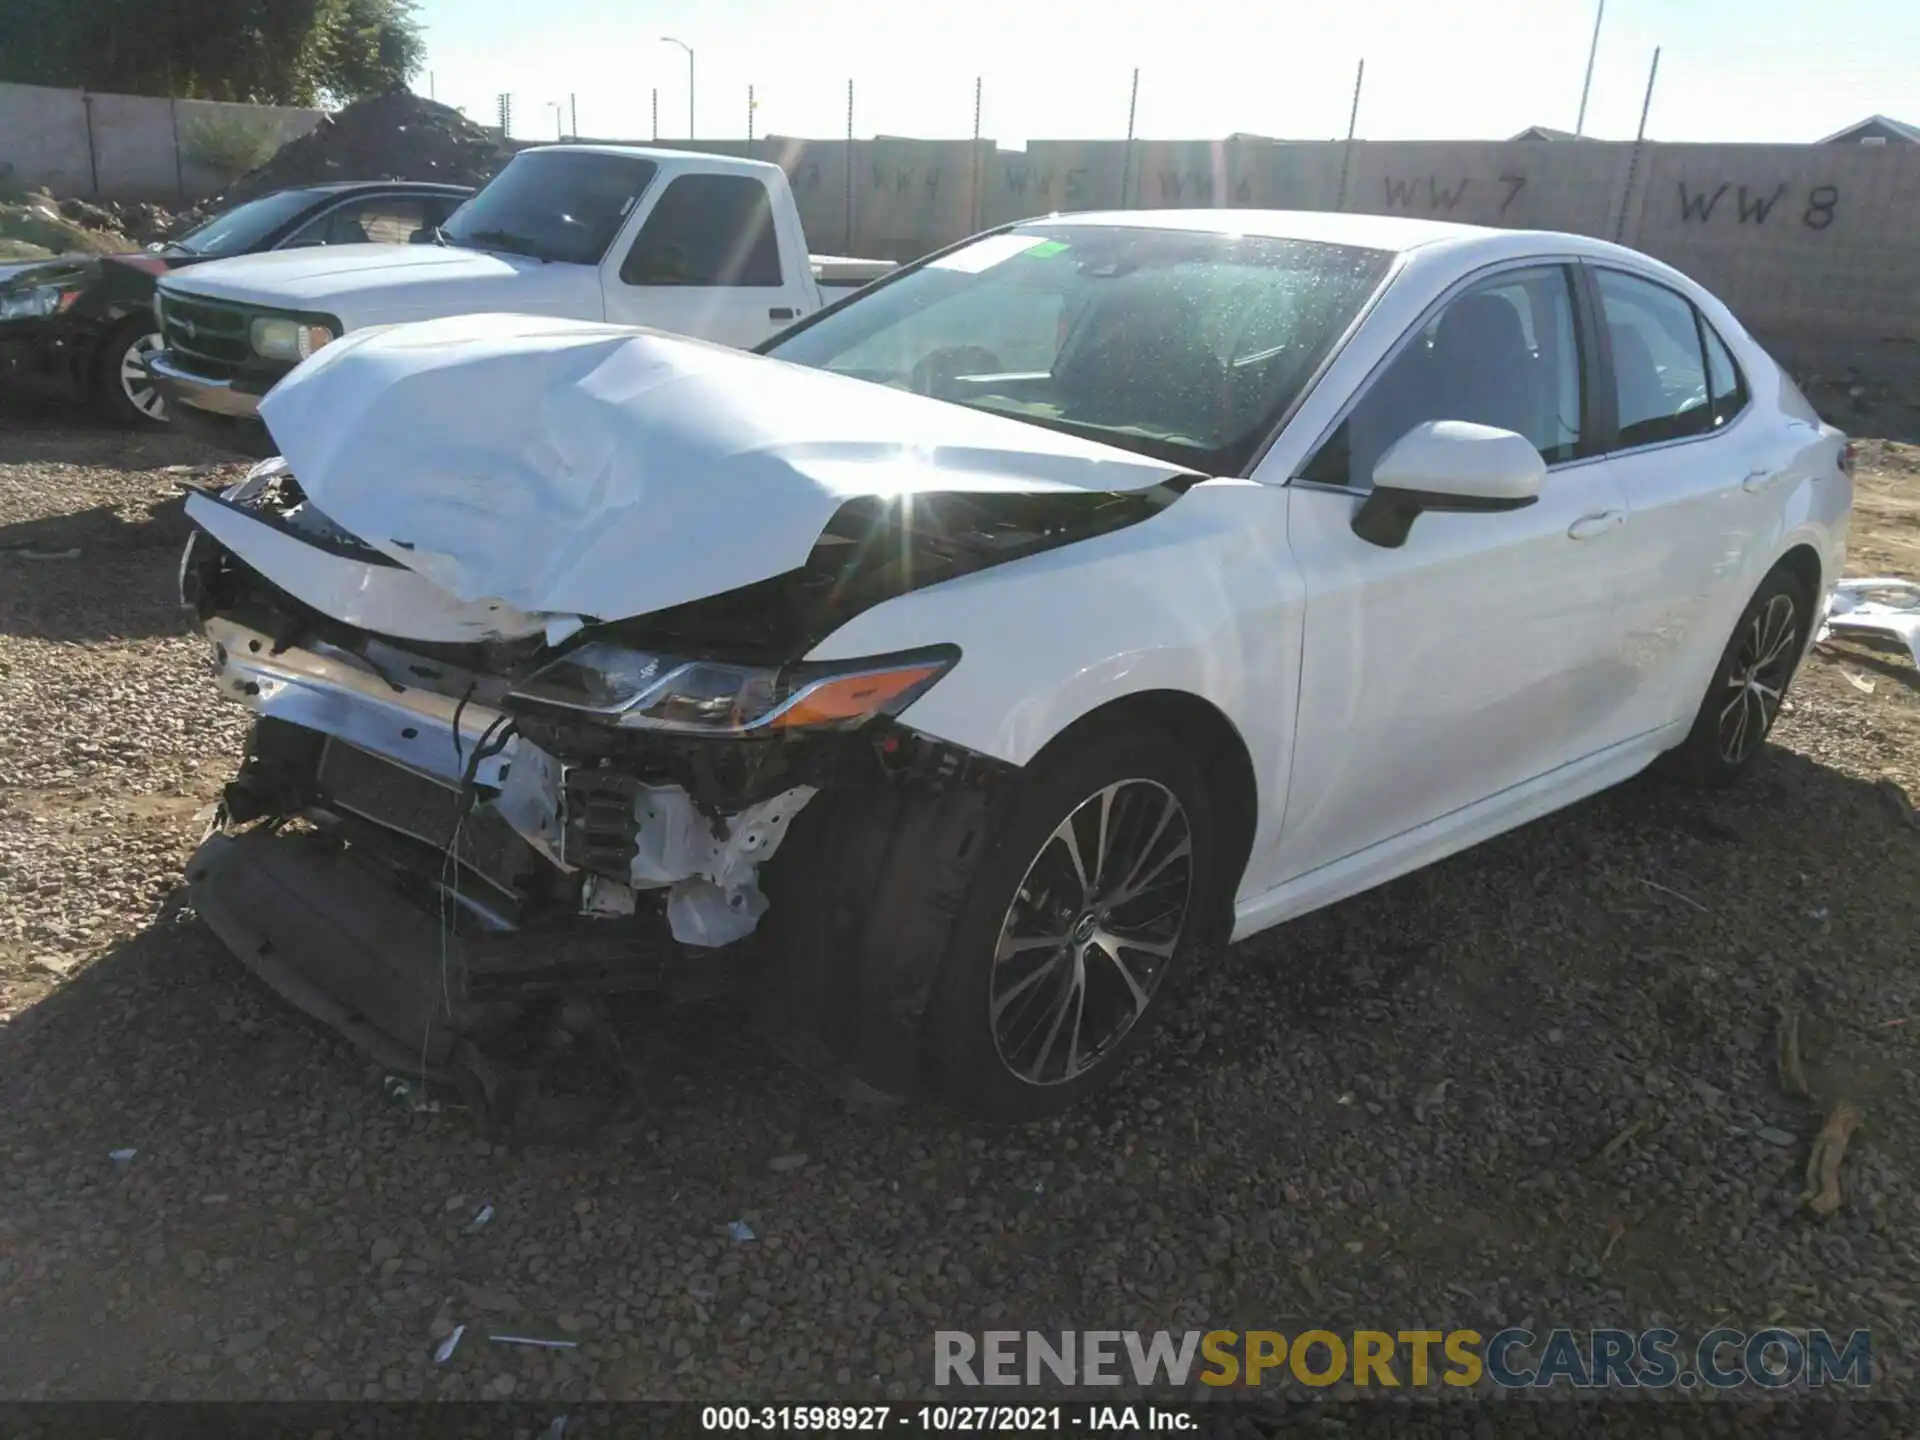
(504, 240)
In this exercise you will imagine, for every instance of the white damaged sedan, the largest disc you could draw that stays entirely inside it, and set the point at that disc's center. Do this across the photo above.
(950, 672)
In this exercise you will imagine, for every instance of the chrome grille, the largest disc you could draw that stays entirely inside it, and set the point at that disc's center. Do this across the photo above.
(207, 337)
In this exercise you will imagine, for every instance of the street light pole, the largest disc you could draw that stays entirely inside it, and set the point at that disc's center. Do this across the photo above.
(669, 40)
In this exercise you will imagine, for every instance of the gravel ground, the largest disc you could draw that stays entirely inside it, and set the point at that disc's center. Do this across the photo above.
(1535, 1084)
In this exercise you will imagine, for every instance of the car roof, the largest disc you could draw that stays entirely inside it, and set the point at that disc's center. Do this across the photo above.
(662, 155)
(1395, 233)
(352, 187)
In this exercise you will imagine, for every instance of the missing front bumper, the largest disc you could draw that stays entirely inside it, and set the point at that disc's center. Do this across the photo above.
(327, 929)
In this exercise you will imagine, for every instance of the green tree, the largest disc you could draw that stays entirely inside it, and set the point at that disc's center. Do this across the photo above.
(280, 52)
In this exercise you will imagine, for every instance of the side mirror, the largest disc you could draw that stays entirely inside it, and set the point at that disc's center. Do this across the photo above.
(1447, 465)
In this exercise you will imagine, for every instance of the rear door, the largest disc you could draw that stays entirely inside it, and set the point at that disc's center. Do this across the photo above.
(1703, 477)
(1477, 655)
(707, 261)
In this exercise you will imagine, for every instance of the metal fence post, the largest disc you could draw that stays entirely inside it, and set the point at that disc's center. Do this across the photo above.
(1633, 157)
(973, 201)
(1346, 150)
(1126, 167)
(849, 157)
(93, 155)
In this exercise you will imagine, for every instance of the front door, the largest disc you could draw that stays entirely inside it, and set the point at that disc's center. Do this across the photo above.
(1476, 656)
(706, 262)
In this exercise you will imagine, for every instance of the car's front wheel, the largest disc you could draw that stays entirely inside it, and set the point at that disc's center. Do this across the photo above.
(1086, 903)
(125, 391)
(1748, 686)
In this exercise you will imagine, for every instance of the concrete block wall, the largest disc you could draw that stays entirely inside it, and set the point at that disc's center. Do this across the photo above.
(1809, 238)
(120, 147)
(1795, 237)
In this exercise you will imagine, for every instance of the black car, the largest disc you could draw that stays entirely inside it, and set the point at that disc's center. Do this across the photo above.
(80, 327)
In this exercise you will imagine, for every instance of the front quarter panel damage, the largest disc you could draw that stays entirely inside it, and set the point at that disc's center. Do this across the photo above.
(1204, 601)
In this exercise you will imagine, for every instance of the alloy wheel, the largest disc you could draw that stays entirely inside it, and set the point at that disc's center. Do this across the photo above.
(136, 384)
(1762, 665)
(1091, 932)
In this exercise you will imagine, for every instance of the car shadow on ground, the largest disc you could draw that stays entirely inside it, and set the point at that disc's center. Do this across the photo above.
(95, 574)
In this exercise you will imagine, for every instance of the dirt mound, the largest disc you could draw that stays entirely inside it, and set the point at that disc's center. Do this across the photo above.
(398, 136)
(39, 226)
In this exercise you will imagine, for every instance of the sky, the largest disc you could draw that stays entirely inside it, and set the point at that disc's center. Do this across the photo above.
(1730, 70)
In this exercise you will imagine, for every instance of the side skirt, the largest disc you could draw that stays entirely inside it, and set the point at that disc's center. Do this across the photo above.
(1452, 833)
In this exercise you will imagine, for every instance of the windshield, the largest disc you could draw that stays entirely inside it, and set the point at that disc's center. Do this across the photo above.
(553, 205)
(1184, 346)
(245, 228)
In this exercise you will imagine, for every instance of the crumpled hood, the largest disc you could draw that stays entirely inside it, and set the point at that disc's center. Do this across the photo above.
(578, 468)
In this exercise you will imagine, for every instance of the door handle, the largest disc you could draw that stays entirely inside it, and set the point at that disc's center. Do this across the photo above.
(1591, 527)
(782, 312)
(1764, 478)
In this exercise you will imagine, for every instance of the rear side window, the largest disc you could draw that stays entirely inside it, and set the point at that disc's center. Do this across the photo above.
(1659, 363)
(1726, 386)
(707, 230)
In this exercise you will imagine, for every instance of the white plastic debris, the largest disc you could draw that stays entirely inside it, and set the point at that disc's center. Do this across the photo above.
(479, 1221)
(449, 1345)
(1879, 604)
(740, 1232)
(701, 913)
(601, 896)
(714, 899)
(122, 1158)
(537, 1343)
(408, 1094)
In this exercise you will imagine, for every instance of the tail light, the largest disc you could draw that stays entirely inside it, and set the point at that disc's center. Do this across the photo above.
(1846, 459)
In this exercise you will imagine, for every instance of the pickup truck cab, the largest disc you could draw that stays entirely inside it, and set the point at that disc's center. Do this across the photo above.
(702, 245)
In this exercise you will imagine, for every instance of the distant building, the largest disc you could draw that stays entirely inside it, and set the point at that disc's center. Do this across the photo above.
(1875, 130)
(1543, 132)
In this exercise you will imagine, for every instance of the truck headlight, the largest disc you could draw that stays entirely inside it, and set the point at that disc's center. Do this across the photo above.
(641, 691)
(40, 301)
(294, 340)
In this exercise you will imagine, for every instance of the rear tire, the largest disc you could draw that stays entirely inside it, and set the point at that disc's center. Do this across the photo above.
(1050, 980)
(123, 395)
(1749, 683)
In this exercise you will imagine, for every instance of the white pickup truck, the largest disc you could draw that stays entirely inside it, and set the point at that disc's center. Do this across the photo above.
(701, 245)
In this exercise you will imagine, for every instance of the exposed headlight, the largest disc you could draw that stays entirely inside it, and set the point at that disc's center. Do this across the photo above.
(41, 300)
(276, 339)
(641, 691)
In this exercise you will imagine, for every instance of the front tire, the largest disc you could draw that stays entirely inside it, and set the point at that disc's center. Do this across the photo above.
(1086, 902)
(125, 394)
(1749, 684)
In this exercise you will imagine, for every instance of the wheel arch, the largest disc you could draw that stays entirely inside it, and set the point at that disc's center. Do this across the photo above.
(1233, 785)
(1803, 562)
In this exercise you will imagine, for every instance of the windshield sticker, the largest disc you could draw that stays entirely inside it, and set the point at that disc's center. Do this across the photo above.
(1046, 249)
(993, 250)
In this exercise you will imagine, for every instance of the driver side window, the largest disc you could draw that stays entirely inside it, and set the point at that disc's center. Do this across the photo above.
(377, 220)
(1504, 353)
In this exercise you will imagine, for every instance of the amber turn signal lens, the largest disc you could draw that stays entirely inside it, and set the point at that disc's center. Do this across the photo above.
(852, 697)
